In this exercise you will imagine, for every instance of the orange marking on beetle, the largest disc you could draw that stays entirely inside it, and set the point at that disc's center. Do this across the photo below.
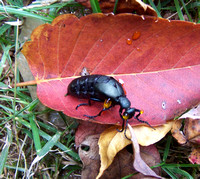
(107, 103)
(124, 89)
(122, 83)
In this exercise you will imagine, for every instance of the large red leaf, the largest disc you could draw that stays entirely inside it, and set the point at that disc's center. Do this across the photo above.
(160, 69)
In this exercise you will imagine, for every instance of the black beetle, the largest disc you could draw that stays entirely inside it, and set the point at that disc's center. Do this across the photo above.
(104, 89)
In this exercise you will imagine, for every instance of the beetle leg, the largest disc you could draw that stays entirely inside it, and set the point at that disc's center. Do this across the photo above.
(126, 129)
(99, 114)
(84, 104)
(120, 113)
(122, 126)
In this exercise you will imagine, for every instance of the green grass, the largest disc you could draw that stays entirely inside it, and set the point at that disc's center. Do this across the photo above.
(25, 138)
(31, 139)
(174, 170)
(95, 6)
(176, 9)
(180, 167)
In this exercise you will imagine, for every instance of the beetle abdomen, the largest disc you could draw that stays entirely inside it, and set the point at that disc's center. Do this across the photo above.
(99, 87)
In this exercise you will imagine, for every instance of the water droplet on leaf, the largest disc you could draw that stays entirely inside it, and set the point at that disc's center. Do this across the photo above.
(129, 41)
(136, 35)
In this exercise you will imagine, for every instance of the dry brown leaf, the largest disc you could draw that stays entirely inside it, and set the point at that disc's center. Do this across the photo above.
(177, 133)
(111, 141)
(122, 164)
(89, 155)
(193, 113)
(195, 156)
(189, 136)
(139, 163)
(86, 129)
(191, 132)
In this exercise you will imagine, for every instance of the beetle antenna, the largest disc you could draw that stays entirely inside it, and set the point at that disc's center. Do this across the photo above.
(136, 117)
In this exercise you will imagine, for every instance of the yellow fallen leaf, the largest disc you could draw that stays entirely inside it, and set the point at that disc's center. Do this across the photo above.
(111, 141)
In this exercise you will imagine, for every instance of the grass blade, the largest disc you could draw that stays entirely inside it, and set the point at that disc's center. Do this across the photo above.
(154, 7)
(115, 7)
(23, 13)
(4, 28)
(185, 8)
(180, 165)
(15, 168)
(47, 147)
(35, 131)
(95, 6)
(61, 146)
(5, 56)
(4, 152)
(182, 172)
(166, 152)
(170, 173)
(45, 150)
(48, 137)
(180, 14)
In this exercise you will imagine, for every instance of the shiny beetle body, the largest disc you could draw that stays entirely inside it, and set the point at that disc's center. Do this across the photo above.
(99, 88)
(104, 89)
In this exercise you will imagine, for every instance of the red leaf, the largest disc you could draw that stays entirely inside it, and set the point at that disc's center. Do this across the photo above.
(160, 69)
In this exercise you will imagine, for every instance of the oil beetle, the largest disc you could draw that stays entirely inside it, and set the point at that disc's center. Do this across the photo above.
(105, 89)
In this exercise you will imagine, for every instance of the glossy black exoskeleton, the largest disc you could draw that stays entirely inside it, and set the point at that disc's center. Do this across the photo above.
(103, 89)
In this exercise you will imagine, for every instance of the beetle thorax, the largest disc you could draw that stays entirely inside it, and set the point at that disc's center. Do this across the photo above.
(124, 102)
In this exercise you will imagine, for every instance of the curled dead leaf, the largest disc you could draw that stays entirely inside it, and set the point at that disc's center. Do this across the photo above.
(147, 136)
(177, 133)
(139, 164)
(193, 113)
(191, 129)
(121, 166)
(111, 141)
(89, 155)
(190, 135)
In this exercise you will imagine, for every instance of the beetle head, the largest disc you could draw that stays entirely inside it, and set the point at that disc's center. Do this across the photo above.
(130, 112)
